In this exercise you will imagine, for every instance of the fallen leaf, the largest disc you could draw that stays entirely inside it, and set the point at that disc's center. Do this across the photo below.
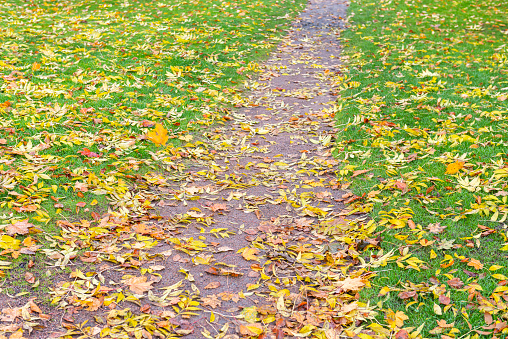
(454, 167)
(249, 253)
(212, 285)
(158, 135)
(139, 285)
(20, 227)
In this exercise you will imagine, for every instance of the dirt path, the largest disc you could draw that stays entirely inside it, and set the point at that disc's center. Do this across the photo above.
(269, 193)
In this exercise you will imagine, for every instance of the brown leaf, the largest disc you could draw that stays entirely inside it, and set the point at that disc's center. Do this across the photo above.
(455, 283)
(139, 285)
(402, 334)
(359, 172)
(211, 301)
(220, 271)
(353, 284)
(213, 284)
(29, 277)
(444, 299)
(21, 227)
(436, 228)
(407, 294)
(218, 207)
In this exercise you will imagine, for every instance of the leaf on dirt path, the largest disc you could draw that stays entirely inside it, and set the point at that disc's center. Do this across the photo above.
(212, 285)
(222, 271)
(158, 135)
(251, 329)
(249, 253)
(211, 300)
(29, 277)
(139, 285)
(20, 227)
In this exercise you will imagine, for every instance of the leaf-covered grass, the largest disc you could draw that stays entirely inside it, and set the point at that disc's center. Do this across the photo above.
(424, 114)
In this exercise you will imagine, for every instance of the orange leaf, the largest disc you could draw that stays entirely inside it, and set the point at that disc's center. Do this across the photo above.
(454, 167)
(159, 135)
(475, 263)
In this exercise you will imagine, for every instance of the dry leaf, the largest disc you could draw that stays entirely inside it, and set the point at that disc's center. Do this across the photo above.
(454, 167)
(159, 135)
(20, 227)
(139, 285)
(212, 285)
(249, 253)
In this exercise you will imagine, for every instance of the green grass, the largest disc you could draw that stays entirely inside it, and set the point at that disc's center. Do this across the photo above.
(425, 86)
(97, 75)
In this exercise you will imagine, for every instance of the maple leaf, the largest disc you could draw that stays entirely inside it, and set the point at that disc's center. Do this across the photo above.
(159, 135)
(475, 263)
(218, 207)
(87, 153)
(211, 301)
(139, 285)
(20, 227)
(436, 228)
(454, 167)
(351, 284)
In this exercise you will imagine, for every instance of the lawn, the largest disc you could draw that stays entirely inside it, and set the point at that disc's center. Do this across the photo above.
(424, 140)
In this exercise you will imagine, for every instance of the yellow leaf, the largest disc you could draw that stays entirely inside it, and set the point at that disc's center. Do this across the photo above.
(495, 267)
(250, 253)
(395, 319)
(384, 291)
(7, 242)
(454, 167)
(251, 330)
(437, 309)
(159, 135)
(499, 276)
